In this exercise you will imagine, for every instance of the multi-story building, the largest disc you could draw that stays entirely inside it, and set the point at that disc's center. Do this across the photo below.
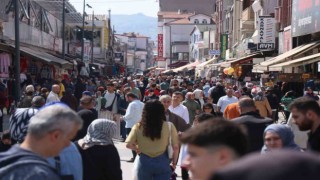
(200, 39)
(176, 20)
(95, 29)
(188, 6)
(137, 51)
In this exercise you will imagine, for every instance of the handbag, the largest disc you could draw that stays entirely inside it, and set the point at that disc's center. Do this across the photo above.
(170, 148)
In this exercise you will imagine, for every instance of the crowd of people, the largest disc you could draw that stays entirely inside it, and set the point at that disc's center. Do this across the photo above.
(67, 130)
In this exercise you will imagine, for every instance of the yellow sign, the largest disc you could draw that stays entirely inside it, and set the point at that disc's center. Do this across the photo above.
(305, 76)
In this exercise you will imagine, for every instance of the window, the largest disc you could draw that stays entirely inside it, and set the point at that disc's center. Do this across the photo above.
(204, 21)
(196, 21)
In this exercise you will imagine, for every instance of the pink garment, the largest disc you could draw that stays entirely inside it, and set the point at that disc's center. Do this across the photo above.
(5, 61)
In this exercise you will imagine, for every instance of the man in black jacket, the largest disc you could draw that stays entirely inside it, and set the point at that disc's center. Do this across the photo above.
(253, 122)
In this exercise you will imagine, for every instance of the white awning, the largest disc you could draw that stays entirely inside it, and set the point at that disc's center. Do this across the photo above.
(283, 57)
(297, 62)
(202, 65)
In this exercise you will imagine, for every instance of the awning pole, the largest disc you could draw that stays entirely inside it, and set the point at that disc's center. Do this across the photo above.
(17, 51)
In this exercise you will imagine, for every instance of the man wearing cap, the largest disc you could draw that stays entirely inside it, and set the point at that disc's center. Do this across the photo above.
(26, 100)
(53, 95)
(87, 113)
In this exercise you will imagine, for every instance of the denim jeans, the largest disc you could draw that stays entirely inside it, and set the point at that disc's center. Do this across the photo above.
(157, 168)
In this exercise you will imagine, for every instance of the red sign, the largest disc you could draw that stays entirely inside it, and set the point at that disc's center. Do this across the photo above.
(160, 46)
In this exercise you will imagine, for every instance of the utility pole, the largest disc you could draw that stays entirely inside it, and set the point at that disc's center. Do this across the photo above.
(82, 37)
(17, 49)
(109, 34)
(63, 29)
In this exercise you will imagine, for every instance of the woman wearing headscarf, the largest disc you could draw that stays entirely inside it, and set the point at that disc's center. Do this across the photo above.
(278, 136)
(261, 103)
(150, 138)
(100, 157)
(198, 96)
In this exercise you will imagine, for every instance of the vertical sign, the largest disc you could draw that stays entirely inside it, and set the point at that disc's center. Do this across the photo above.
(266, 33)
(160, 47)
(223, 46)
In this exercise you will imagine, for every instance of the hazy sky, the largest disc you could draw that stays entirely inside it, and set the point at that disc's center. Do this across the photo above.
(147, 7)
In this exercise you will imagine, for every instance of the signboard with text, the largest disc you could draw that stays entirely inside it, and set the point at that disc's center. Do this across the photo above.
(266, 36)
(214, 52)
(305, 17)
(160, 47)
(223, 46)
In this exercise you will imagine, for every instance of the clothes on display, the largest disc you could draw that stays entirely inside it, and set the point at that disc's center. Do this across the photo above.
(5, 62)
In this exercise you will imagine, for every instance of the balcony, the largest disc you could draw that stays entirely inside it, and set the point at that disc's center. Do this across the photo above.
(247, 14)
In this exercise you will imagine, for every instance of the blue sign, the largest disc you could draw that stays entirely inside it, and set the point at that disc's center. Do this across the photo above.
(214, 52)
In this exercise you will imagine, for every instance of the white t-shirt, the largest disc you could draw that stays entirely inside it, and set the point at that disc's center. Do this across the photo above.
(224, 101)
(181, 111)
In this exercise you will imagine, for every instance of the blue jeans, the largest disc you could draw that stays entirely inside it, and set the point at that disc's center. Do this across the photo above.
(157, 168)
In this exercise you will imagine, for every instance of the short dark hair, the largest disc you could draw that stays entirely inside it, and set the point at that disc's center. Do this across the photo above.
(132, 95)
(178, 93)
(304, 104)
(6, 135)
(218, 132)
(246, 103)
(110, 84)
(204, 117)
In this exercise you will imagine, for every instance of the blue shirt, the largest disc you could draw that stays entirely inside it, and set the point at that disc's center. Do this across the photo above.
(70, 162)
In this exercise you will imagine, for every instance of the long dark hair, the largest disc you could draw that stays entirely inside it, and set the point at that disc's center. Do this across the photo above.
(152, 119)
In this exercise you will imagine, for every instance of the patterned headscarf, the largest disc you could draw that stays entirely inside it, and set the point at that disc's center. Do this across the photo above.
(100, 132)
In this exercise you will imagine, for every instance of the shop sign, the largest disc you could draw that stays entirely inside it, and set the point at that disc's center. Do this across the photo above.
(305, 76)
(160, 46)
(318, 66)
(266, 33)
(305, 17)
(213, 52)
(223, 46)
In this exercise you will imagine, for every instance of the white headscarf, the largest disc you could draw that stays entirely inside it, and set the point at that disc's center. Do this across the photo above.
(100, 132)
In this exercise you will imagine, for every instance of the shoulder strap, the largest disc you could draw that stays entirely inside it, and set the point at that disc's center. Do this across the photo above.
(170, 139)
(115, 96)
(58, 164)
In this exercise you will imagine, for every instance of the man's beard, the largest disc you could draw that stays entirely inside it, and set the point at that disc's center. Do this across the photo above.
(306, 124)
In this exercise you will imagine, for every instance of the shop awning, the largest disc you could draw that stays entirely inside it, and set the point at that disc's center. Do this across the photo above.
(38, 54)
(242, 60)
(283, 57)
(296, 62)
(188, 66)
(178, 64)
(166, 71)
(206, 63)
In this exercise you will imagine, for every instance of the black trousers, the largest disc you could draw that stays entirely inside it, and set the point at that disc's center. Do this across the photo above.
(128, 130)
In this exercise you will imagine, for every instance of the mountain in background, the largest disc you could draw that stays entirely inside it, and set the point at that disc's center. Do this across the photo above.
(138, 23)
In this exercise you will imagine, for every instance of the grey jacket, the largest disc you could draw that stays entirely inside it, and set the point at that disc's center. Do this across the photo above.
(20, 164)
